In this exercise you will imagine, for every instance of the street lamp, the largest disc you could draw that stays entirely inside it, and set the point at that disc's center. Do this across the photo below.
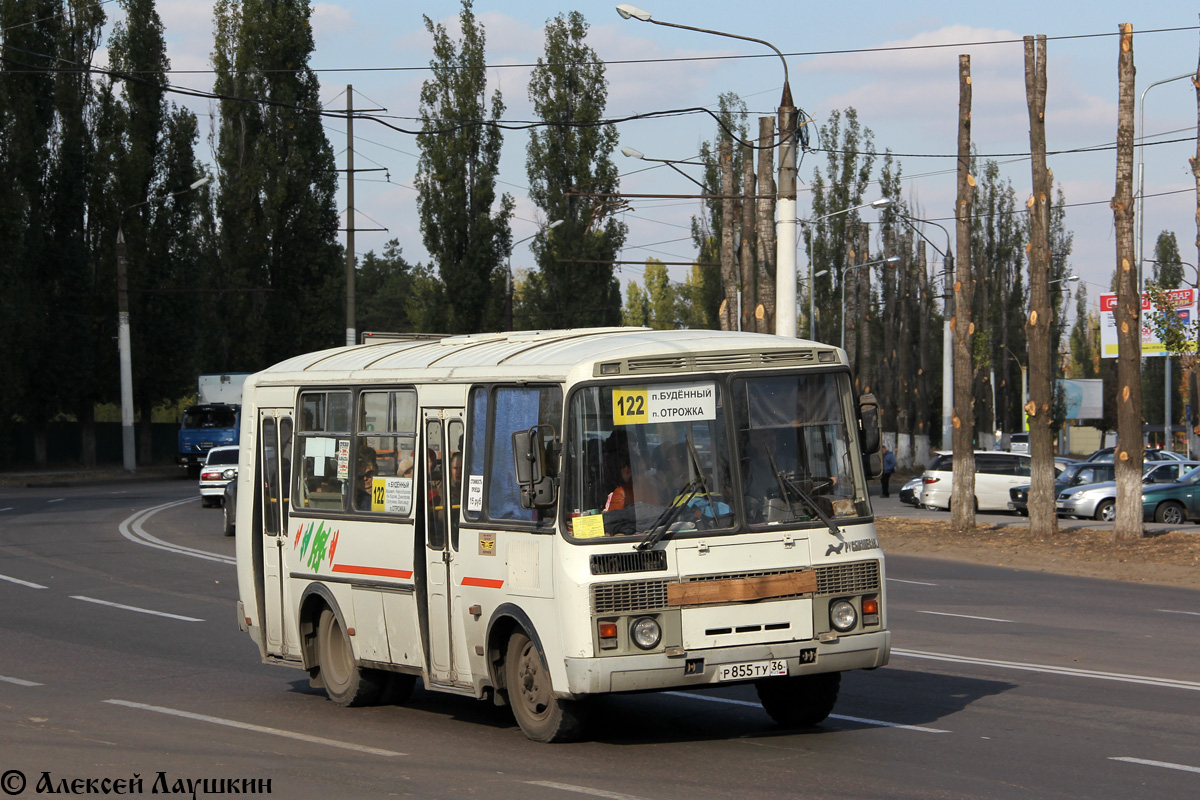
(630, 152)
(1141, 192)
(785, 216)
(128, 451)
(888, 260)
(882, 202)
(508, 280)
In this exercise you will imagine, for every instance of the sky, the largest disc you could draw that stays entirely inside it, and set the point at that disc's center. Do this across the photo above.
(896, 64)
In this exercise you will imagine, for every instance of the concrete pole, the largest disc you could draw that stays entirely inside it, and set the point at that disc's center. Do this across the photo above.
(351, 333)
(128, 451)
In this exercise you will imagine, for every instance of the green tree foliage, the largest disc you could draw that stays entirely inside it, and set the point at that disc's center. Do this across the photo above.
(384, 288)
(574, 284)
(848, 172)
(280, 267)
(465, 232)
(1085, 348)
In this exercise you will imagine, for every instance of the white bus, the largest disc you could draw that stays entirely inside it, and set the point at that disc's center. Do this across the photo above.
(543, 517)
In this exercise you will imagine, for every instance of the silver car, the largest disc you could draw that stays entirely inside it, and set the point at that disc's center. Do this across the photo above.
(1099, 500)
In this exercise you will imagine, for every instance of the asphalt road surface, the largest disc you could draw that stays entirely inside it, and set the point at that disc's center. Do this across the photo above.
(121, 660)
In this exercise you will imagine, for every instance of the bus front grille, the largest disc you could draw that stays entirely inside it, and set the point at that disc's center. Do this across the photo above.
(854, 577)
(619, 598)
(637, 561)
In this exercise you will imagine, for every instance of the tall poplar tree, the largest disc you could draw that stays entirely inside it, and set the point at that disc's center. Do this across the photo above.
(464, 229)
(574, 284)
(280, 267)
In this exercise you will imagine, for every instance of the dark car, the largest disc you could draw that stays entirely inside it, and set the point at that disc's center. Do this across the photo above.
(1077, 474)
(230, 505)
(1149, 454)
(1173, 503)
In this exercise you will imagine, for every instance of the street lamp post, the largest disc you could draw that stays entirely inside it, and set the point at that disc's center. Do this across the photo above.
(630, 152)
(882, 202)
(128, 449)
(508, 279)
(785, 207)
(888, 260)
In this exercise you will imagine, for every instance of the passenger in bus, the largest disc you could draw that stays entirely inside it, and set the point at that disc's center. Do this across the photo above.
(455, 478)
(367, 467)
(405, 469)
(622, 495)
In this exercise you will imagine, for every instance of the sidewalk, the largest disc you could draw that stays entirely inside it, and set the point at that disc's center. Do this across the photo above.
(67, 476)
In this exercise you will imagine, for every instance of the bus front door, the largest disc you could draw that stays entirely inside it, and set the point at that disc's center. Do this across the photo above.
(443, 432)
(273, 461)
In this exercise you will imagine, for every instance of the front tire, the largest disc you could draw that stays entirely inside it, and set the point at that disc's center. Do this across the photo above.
(1106, 511)
(1170, 513)
(542, 716)
(800, 701)
(345, 682)
(227, 518)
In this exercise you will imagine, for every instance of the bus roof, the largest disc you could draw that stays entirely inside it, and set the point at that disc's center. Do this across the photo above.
(551, 355)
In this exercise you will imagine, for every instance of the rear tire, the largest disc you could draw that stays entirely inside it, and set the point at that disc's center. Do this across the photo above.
(800, 701)
(345, 682)
(1106, 511)
(1170, 513)
(542, 716)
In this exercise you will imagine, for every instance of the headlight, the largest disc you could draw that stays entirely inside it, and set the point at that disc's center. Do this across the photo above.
(843, 615)
(1078, 495)
(229, 474)
(645, 633)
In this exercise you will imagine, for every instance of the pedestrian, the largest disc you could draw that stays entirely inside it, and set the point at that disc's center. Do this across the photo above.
(889, 466)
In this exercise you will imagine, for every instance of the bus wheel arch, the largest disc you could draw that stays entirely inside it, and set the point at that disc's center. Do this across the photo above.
(506, 620)
(315, 599)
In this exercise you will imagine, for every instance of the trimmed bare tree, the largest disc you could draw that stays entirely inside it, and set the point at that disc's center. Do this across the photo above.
(1043, 519)
(729, 272)
(748, 232)
(1128, 458)
(766, 223)
(962, 497)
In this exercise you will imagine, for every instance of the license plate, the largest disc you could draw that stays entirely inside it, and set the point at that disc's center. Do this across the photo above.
(750, 670)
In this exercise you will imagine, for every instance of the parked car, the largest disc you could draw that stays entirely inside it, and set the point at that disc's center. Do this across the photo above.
(1080, 473)
(1099, 500)
(220, 467)
(1019, 443)
(1149, 454)
(995, 474)
(910, 492)
(1173, 503)
(229, 503)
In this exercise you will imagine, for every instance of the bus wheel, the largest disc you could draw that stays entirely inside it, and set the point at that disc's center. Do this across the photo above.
(800, 701)
(542, 716)
(345, 683)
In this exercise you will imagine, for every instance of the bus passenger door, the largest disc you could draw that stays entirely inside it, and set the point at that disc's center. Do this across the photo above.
(273, 461)
(443, 430)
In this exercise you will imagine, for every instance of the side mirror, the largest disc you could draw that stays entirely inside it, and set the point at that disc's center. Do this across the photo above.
(529, 462)
(868, 422)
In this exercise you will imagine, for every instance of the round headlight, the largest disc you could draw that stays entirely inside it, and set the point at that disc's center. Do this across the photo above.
(843, 615)
(646, 633)
(229, 474)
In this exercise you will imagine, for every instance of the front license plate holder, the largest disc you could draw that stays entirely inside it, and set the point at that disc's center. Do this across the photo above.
(750, 670)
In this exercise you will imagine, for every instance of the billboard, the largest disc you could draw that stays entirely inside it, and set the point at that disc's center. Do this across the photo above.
(1083, 397)
(1184, 301)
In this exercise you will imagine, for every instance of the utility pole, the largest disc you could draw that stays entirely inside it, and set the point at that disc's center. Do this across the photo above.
(351, 328)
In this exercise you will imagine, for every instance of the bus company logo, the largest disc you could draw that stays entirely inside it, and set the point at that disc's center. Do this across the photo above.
(317, 537)
(852, 547)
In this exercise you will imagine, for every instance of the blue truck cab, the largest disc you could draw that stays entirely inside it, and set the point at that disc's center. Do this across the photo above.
(205, 426)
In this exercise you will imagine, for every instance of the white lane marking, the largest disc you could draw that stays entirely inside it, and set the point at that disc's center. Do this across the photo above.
(861, 720)
(132, 530)
(134, 608)
(246, 726)
(23, 583)
(1164, 764)
(17, 681)
(56, 500)
(10, 508)
(1068, 671)
(566, 787)
(1173, 611)
(963, 616)
(914, 583)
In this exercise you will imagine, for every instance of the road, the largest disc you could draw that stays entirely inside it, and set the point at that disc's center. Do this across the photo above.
(120, 657)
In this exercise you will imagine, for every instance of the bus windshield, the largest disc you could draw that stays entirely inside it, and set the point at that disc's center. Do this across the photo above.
(648, 457)
(797, 462)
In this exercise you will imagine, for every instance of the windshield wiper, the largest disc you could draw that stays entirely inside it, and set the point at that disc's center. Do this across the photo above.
(662, 525)
(785, 483)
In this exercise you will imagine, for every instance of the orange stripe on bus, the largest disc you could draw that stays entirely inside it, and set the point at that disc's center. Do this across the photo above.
(486, 583)
(379, 571)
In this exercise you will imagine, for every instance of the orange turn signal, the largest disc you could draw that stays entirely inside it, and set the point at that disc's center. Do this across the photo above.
(870, 605)
(608, 630)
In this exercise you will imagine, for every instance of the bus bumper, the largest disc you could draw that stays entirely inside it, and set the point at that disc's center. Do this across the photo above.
(699, 667)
